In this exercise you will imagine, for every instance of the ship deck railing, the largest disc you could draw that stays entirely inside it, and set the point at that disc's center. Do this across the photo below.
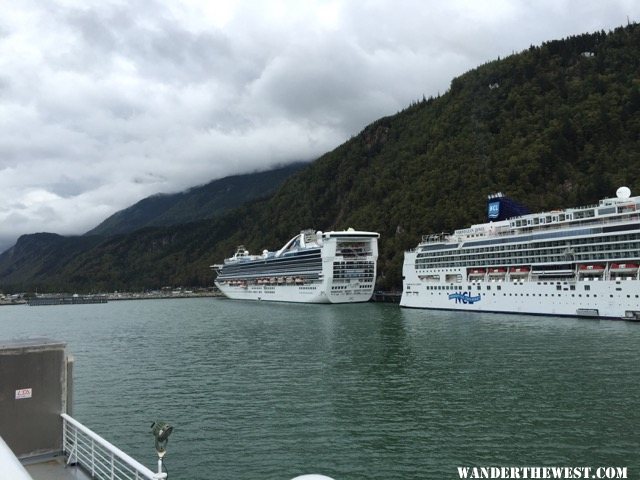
(510, 231)
(97, 456)
(435, 237)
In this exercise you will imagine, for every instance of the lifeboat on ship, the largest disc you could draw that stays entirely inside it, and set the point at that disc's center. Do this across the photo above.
(497, 272)
(519, 270)
(592, 269)
(476, 272)
(623, 268)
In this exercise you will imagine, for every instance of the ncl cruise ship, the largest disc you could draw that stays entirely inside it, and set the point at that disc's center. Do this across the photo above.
(575, 262)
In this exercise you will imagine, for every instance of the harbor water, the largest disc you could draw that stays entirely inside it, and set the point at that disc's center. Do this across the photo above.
(261, 390)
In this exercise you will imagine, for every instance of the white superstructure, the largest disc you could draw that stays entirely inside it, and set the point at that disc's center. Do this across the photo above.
(578, 262)
(312, 267)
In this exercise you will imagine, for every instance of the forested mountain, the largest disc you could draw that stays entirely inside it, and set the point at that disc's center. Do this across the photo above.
(554, 126)
(197, 203)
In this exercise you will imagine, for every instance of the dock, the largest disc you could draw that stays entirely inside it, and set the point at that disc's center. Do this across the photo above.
(65, 300)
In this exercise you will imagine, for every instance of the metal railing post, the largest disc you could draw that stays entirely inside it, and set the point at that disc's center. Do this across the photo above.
(93, 457)
(75, 441)
(64, 435)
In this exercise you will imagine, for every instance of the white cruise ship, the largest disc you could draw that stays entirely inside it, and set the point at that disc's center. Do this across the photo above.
(577, 262)
(312, 267)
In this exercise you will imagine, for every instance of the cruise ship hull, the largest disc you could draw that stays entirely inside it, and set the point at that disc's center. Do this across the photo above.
(616, 298)
(317, 293)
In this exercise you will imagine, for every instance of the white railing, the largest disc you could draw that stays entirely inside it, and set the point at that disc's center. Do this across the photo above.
(97, 456)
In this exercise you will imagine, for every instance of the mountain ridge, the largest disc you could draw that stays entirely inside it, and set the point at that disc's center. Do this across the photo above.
(196, 203)
(551, 126)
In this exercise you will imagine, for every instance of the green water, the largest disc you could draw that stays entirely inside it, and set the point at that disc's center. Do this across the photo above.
(368, 391)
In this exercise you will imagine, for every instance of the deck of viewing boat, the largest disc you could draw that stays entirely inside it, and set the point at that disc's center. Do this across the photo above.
(39, 440)
(55, 469)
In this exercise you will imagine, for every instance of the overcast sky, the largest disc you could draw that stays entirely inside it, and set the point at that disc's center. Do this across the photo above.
(103, 103)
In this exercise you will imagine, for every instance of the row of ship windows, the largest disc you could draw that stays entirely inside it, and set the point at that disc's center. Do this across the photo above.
(605, 246)
(273, 272)
(360, 267)
(354, 252)
(366, 273)
(531, 256)
(523, 257)
(349, 287)
(348, 274)
(355, 264)
(582, 244)
(499, 287)
(550, 295)
(366, 270)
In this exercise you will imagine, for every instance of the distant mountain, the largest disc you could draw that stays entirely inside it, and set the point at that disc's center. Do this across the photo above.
(554, 126)
(198, 203)
(42, 258)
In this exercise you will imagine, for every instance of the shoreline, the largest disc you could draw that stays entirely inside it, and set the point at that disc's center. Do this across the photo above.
(105, 298)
